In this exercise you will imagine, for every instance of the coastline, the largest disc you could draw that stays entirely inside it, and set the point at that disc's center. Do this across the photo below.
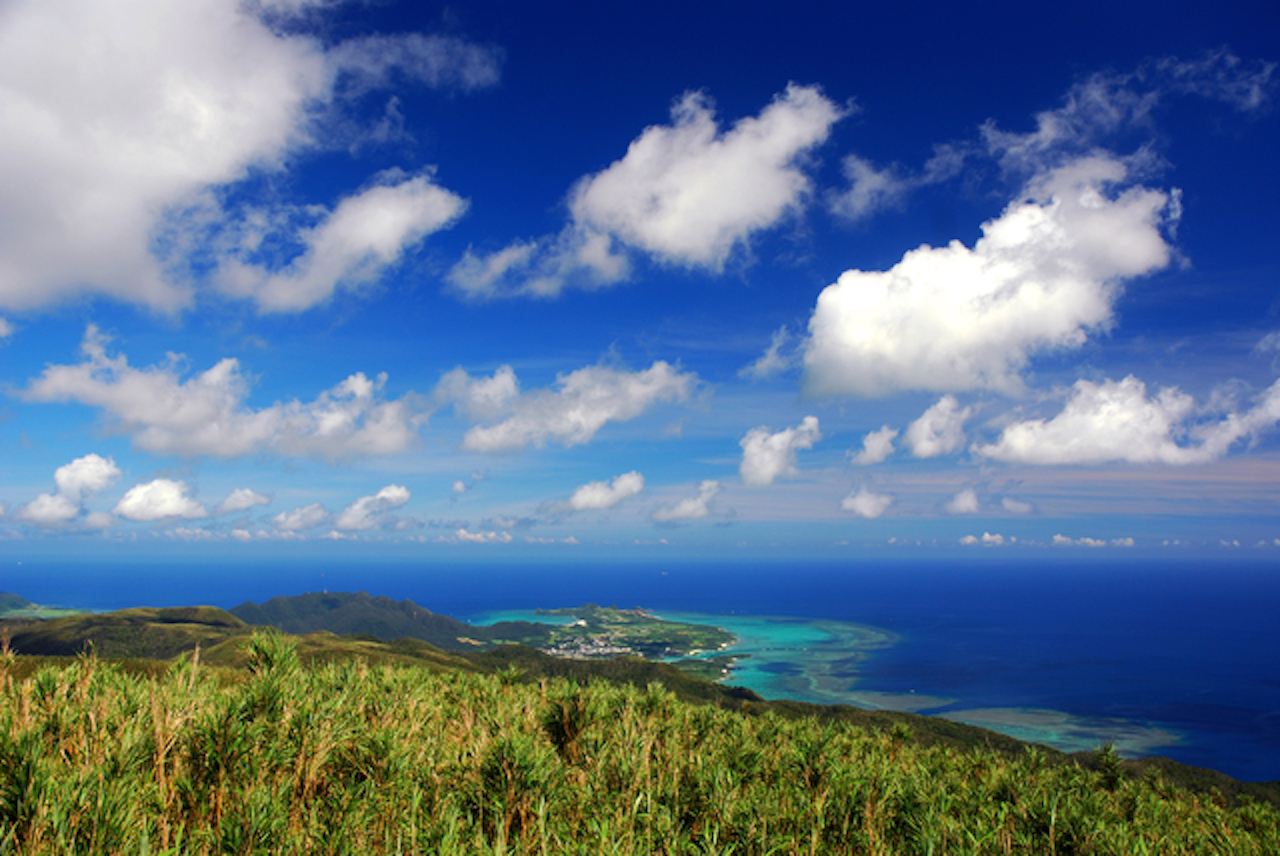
(821, 661)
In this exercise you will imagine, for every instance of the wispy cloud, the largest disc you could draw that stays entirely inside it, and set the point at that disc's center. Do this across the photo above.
(581, 403)
(206, 414)
(691, 507)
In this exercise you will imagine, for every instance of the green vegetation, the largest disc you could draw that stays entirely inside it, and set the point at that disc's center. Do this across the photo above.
(144, 632)
(387, 619)
(345, 756)
(597, 631)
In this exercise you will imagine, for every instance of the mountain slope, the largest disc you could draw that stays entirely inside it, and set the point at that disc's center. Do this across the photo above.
(344, 613)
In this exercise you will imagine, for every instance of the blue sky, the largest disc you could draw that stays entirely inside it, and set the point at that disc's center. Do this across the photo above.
(637, 280)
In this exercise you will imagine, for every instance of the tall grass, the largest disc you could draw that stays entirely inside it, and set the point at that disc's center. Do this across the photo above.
(344, 758)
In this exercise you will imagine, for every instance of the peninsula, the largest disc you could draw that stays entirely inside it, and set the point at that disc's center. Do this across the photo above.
(607, 631)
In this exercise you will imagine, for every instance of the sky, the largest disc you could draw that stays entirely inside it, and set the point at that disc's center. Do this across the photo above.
(638, 280)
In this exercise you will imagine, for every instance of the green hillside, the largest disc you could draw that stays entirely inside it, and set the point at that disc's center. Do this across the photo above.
(363, 754)
(345, 613)
(142, 633)
(13, 603)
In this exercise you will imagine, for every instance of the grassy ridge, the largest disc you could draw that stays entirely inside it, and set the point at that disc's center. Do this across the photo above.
(145, 632)
(344, 757)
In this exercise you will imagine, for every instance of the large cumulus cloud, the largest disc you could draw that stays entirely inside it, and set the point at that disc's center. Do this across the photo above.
(125, 123)
(946, 319)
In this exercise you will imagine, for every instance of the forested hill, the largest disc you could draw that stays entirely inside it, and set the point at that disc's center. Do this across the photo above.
(345, 613)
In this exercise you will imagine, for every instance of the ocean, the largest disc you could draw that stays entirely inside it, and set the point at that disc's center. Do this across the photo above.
(1177, 659)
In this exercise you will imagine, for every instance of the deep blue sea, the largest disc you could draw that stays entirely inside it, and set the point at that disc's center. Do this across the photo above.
(1173, 659)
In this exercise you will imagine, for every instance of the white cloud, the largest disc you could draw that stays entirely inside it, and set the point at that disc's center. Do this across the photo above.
(689, 193)
(1116, 421)
(685, 193)
(459, 487)
(6, 328)
(577, 257)
(987, 540)
(691, 507)
(872, 189)
(1044, 274)
(766, 456)
(463, 536)
(350, 247)
(158, 500)
(242, 535)
(599, 495)
(1269, 342)
(1106, 102)
(964, 502)
(373, 62)
(241, 499)
(121, 119)
(486, 277)
(1015, 506)
(183, 533)
(206, 415)
(98, 520)
(89, 474)
(1122, 542)
(876, 446)
(299, 519)
(771, 362)
(939, 430)
(49, 510)
(1064, 541)
(366, 512)
(864, 503)
(583, 402)
(479, 398)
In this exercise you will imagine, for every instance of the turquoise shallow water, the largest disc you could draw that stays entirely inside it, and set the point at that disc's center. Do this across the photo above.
(824, 662)
(788, 658)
